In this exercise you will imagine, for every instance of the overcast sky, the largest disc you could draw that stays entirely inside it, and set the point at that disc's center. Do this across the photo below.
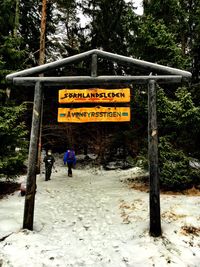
(138, 3)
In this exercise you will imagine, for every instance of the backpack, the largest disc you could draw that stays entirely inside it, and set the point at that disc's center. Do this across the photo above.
(70, 154)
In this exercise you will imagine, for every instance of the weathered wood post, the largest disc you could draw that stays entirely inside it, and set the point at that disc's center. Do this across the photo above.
(32, 159)
(94, 66)
(154, 197)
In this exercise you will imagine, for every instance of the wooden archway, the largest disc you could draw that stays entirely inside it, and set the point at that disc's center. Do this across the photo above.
(162, 74)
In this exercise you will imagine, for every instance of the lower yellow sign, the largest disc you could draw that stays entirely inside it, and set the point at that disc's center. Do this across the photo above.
(94, 114)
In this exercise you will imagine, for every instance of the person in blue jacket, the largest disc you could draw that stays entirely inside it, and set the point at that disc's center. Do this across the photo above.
(70, 159)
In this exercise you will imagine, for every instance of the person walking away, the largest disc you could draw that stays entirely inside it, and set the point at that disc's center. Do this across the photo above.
(70, 159)
(49, 162)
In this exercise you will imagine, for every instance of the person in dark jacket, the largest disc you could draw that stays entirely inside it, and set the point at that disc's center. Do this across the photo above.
(70, 159)
(49, 162)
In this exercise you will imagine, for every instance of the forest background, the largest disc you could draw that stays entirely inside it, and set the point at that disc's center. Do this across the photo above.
(168, 33)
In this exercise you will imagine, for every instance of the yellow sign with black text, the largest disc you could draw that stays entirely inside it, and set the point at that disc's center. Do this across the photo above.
(94, 95)
(94, 114)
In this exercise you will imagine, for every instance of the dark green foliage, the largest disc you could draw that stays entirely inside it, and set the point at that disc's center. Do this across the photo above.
(156, 43)
(110, 24)
(13, 57)
(29, 20)
(181, 17)
(7, 17)
(175, 170)
(179, 126)
(179, 132)
(13, 140)
(179, 119)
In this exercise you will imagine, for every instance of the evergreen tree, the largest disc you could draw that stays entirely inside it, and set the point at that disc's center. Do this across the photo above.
(13, 139)
(67, 33)
(182, 20)
(30, 22)
(12, 129)
(108, 26)
(167, 34)
(179, 129)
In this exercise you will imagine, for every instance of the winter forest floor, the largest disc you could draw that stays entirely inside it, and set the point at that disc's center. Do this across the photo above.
(98, 219)
(9, 187)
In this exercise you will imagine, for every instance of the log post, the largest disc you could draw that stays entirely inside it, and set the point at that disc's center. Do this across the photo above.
(32, 160)
(154, 197)
(94, 66)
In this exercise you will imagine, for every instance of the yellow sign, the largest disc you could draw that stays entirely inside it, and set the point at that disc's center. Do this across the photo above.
(94, 95)
(94, 114)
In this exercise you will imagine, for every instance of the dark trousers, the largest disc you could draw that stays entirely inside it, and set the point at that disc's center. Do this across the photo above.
(48, 172)
(70, 165)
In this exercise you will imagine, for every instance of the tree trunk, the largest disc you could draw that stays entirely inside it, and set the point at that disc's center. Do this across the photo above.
(41, 62)
(43, 33)
(16, 26)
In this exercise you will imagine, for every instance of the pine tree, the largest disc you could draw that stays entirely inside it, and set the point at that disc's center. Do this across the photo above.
(108, 26)
(12, 128)
(13, 140)
(182, 20)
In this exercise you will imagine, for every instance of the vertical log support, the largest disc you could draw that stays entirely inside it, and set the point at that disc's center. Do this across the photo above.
(32, 160)
(154, 199)
(39, 157)
(94, 65)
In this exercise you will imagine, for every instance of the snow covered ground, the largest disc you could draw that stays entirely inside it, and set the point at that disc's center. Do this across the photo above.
(95, 220)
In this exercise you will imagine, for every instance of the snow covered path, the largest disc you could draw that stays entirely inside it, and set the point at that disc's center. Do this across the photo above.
(95, 220)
